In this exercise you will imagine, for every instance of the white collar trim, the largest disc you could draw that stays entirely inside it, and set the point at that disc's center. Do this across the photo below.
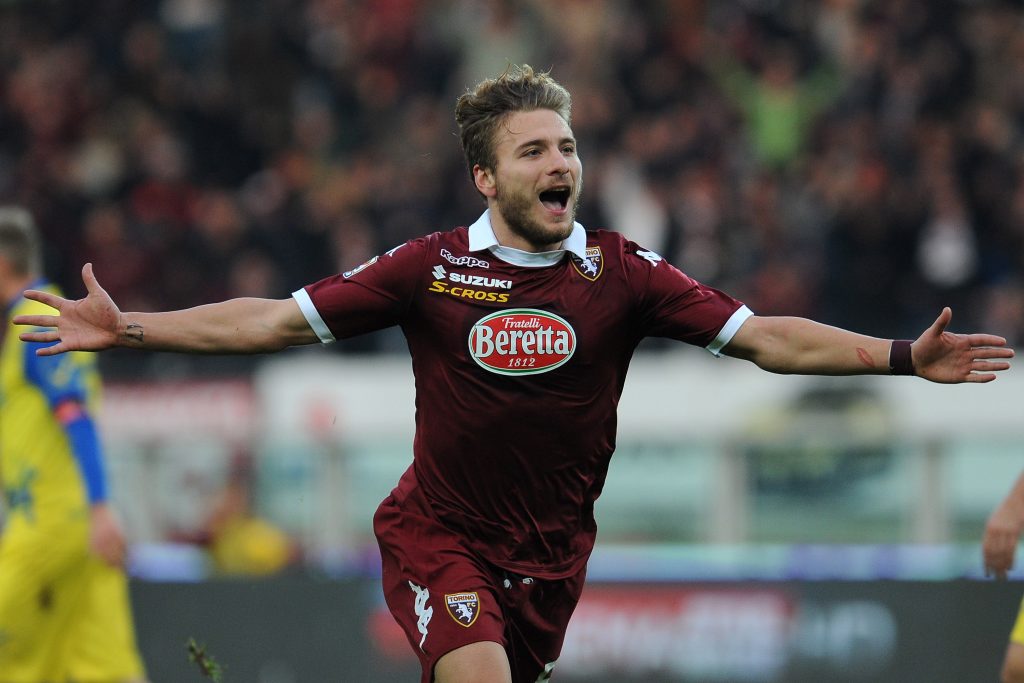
(481, 236)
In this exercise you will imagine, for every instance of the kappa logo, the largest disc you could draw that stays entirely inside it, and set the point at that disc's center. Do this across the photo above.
(468, 261)
(423, 613)
(649, 256)
(590, 267)
(463, 607)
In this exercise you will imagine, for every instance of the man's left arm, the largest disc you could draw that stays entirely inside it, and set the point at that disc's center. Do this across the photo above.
(106, 538)
(64, 384)
(789, 345)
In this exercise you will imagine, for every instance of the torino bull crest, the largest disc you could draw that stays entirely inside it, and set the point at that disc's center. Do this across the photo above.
(463, 607)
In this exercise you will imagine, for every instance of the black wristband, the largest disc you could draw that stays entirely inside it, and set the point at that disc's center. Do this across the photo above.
(900, 360)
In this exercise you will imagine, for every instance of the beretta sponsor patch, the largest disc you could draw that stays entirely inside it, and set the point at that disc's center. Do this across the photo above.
(521, 341)
(463, 607)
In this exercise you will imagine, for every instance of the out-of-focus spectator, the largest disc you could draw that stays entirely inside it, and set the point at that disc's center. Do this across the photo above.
(779, 104)
(241, 542)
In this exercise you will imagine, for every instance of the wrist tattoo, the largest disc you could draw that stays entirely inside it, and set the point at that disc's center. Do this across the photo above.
(135, 333)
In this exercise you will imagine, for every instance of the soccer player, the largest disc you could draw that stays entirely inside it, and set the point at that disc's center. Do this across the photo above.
(999, 545)
(520, 327)
(64, 609)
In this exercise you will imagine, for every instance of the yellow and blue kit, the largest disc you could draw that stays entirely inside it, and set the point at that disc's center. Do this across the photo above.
(1017, 634)
(64, 613)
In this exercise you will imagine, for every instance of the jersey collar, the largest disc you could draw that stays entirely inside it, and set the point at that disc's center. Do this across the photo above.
(481, 236)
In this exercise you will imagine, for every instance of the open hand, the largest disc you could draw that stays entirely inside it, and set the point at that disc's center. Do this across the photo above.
(88, 324)
(949, 358)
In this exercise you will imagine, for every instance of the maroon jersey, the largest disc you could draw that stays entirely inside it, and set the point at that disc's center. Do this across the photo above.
(519, 367)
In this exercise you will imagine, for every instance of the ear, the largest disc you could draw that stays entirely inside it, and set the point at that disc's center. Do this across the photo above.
(484, 180)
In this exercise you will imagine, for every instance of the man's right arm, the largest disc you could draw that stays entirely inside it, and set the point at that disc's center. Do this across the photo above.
(245, 325)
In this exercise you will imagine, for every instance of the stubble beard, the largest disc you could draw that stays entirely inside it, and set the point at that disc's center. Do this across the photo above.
(515, 208)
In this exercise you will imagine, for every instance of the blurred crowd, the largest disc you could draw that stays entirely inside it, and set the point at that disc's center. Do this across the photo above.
(855, 161)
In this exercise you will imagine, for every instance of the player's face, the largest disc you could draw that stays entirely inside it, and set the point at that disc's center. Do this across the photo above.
(535, 189)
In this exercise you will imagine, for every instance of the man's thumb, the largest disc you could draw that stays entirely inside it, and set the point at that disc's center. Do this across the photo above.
(939, 326)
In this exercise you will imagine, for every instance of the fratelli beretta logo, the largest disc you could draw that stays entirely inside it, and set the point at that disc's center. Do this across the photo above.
(521, 341)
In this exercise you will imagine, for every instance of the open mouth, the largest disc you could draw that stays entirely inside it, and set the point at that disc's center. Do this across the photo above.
(556, 199)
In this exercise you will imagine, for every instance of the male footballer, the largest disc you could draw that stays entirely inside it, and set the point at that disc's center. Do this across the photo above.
(521, 327)
(64, 609)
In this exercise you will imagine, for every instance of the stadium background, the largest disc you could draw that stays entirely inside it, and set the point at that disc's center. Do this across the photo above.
(856, 162)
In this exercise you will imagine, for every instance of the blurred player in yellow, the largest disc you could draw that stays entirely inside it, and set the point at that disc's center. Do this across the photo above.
(999, 546)
(64, 606)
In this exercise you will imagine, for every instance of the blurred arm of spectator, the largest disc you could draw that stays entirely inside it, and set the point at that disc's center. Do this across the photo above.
(1003, 530)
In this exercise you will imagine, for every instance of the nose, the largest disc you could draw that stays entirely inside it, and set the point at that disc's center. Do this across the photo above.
(560, 165)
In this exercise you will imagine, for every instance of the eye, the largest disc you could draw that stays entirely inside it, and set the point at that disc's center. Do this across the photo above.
(568, 149)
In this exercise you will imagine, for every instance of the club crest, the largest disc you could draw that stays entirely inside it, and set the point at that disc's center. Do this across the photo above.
(349, 273)
(463, 607)
(590, 267)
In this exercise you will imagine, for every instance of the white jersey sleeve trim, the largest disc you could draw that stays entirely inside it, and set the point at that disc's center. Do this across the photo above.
(301, 297)
(731, 326)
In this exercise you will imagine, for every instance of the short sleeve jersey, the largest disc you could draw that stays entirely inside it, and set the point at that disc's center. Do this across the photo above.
(518, 374)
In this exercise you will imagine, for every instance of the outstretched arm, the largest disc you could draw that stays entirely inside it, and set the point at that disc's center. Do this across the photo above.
(95, 323)
(801, 346)
(1003, 529)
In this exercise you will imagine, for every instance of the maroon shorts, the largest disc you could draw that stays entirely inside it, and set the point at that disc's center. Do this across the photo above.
(445, 596)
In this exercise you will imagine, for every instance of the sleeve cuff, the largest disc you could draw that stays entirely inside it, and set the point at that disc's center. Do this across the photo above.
(729, 329)
(324, 333)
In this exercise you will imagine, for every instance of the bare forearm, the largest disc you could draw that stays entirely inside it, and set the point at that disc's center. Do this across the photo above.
(245, 325)
(799, 346)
